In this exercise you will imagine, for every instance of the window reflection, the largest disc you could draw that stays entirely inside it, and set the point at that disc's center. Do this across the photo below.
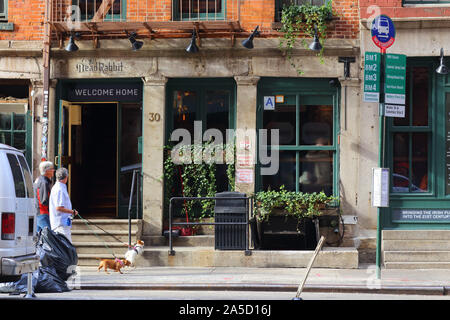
(316, 123)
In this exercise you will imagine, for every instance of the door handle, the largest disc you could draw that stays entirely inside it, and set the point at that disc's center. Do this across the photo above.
(56, 160)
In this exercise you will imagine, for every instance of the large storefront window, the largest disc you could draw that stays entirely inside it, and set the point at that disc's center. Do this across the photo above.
(412, 135)
(205, 105)
(307, 144)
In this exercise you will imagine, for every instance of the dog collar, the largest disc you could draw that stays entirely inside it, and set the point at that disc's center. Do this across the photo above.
(120, 261)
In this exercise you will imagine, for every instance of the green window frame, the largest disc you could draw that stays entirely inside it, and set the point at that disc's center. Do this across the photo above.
(15, 131)
(411, 138)
(306, 93)
(87, 5)
(188, 10)
(3, 10)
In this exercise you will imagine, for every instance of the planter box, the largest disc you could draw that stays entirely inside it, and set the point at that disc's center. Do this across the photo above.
(281, 232)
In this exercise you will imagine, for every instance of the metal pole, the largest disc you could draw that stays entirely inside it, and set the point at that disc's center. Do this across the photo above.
(171, 252)
(380, 161)
(129, 208)
(30, 293)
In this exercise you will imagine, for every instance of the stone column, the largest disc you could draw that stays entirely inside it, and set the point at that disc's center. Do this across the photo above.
(246, 147)
(53, 109)
(37, 106)
(153, 131)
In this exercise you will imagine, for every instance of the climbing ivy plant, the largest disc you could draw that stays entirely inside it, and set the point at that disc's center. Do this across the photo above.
(301, 20)
(195, 178)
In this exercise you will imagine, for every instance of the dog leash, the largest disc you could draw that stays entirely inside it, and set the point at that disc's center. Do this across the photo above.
(87, 222)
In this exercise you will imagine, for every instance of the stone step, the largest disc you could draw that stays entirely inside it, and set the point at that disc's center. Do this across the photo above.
(113, 236)
(185, 241)
(341, 258)
(416, 235)
(416, 245)
(116, 248)
(416, 256)
(208, 257)
(417, 265)
(106, 224)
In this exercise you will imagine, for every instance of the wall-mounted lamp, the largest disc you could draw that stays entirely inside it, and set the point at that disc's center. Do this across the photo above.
(442, 69)
(315, 45)
(192, 47)
(248, 43)
(72, 47)
(135, 44)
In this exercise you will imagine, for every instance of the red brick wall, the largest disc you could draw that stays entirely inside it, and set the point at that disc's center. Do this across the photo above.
(28, 17)
(394, 9)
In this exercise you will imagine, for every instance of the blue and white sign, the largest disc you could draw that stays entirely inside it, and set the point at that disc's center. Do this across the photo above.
(269, 103)
(383, 32)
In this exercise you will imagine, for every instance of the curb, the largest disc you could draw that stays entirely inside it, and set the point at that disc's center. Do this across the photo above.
(412, 290)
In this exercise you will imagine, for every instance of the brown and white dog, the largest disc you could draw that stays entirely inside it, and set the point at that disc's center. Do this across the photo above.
(133, 252)
(115, 264)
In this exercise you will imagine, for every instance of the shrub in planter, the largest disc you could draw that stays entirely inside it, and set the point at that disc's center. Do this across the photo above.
(289, 213)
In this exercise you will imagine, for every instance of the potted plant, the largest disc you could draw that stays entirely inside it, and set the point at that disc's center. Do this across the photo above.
(284, 219)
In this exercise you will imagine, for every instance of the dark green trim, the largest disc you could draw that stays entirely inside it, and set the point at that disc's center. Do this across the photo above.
(435, 198)
(28, 135)
(195, 16)
(4, 16)
(306, 91)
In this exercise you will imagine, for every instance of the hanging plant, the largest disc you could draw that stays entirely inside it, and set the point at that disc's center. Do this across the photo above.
(301, 20)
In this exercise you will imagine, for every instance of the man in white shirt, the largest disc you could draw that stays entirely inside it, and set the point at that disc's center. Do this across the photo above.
(60, 206)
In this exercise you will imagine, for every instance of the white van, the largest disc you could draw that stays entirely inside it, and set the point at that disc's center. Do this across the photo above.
(17, 216)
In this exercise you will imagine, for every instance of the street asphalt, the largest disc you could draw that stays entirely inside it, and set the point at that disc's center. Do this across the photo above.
(363, 280)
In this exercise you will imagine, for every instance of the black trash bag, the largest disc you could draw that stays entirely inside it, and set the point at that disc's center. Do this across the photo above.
(58, 259)
(44, 280)
(55, 250)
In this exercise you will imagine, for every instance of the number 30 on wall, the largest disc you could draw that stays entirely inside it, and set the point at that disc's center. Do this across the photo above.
(154, 117)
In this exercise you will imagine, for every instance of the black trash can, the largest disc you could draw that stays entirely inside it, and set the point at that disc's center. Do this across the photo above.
(230, 237)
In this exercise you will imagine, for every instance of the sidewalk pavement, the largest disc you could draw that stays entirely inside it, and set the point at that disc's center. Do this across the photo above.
(362, 280)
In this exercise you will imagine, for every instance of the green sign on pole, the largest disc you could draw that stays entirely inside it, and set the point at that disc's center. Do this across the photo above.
(372, 76)
(395, 78)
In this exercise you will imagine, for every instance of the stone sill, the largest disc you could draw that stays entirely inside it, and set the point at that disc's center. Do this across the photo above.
(416, 22)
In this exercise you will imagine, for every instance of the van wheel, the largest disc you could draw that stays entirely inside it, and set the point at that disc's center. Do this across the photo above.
(9, 278)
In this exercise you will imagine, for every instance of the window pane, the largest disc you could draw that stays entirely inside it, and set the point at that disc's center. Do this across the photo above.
(419, 162)
(184, 110)
(19, 184)
(316, 171)
(283, 118)
(286, 173)
(19, 122)
(405, 121)
(420, 96)
(5, 120)
(89, 7)
(27, 175)
(19, 141)
(401, 163)
(217, 110)
(316, 125)
(5, 138)
(200, 6)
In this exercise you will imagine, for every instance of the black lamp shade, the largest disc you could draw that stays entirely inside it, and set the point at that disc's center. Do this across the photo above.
(71, 47)
(442, 69)
(248, 43)
(135, 44)
(192, 47)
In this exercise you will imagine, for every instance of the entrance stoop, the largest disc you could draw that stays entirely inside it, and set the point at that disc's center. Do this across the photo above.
(198, 251)
(92, 243)
(416, 249)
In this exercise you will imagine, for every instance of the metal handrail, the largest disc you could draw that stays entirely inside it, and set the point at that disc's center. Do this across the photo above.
(131, 201)
(246, 223)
